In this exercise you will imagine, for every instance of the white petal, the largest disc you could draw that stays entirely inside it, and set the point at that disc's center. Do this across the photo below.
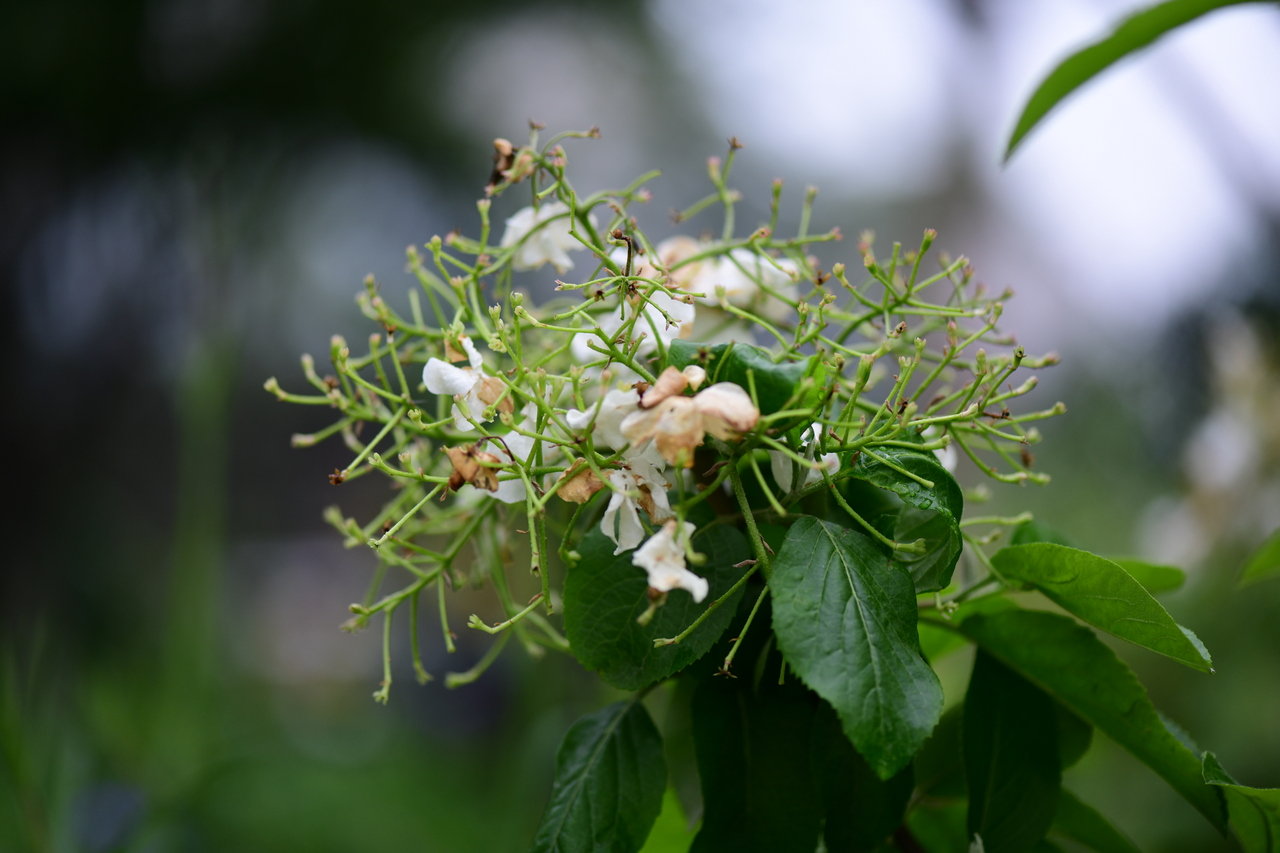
(782, 467)
(473, 354)
(441, 377)
(947, 457)
(662, 558)
(510, 491)
(621, 521)
(549, 243)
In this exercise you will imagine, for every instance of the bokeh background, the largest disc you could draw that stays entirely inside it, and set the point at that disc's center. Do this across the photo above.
(192, 190)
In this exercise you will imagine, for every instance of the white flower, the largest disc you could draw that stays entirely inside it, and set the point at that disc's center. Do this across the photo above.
(470, 388)
(947, 456)
(605, 419)
(782, 467)
(663, 558)
(512, 491)
(749, 280)
(538, 243)
(657, 315)
(638, 485)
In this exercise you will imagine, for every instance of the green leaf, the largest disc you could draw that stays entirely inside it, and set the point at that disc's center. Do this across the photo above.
(1102, 594)
(1255, 812)
(845, 618)
(861, 809)
(604, 594)
(608, 785)
(1081, 822)
(753, 757)
(936, 643)
(1154, 577)
(1035, 531)
(1011, 758)
(932, 510)
(1130, 35)
(939, 493)
(939, 765)
(790, 385)
(1074, 737)
(940, 827)
(1077, 669)
(1265, 562)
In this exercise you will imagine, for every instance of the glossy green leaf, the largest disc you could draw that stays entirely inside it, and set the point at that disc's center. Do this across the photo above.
(793, 384)
(1265, 562)
(608, 785)
(1082, 823)
(861, 809)
(1130, 35)
(931, 512)
(604, 594)
(845, 619)
(1101, 593)
(1011, 757)
(1254, 812)
(758, 789)
(1154, 577)
(1072, 665)
(940, 492)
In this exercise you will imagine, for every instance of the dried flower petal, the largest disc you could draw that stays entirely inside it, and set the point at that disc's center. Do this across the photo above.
(579, 483)
(472, 466)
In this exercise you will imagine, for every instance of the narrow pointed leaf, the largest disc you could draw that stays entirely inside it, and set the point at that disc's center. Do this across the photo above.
(604, 594)
(1265, 562)
(1101, 593)
(1011, 757)
(1072, 665)
(1083, 823)
(1130, 35)
(845, 618)
(608, 785)
(1254, 812)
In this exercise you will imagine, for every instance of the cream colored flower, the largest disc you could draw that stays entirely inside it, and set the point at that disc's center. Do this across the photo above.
(541, 236)
(786, 472)
(747, 279)
(663, 558)
(472, 390)
(604, 420)
(677, 425)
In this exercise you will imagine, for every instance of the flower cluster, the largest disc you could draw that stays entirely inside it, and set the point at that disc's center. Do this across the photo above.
(673, 386)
